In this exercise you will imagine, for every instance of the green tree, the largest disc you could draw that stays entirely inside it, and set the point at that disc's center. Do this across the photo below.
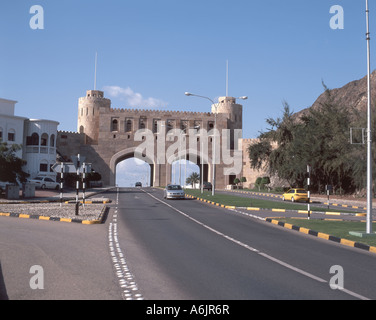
(10, 164)
(242, 180)
(193, 179)
(320, 138)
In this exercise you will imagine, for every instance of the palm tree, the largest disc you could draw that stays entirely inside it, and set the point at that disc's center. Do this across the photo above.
(193, 179)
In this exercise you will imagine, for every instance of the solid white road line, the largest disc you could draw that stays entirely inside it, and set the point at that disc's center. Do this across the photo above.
(307, 274)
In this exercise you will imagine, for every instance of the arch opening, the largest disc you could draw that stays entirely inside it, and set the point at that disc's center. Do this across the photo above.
(131, 170)
(182, 169)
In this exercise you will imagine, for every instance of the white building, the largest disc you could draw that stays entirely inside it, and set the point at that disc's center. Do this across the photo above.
(11, 126)
(40, 147)
(38, 138)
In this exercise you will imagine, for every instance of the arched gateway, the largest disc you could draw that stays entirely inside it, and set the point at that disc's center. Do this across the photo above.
(107, 136)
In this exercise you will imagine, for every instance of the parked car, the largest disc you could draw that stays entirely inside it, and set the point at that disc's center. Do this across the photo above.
(138, 184)
(3, 185)
(207, 186)
(174, 191)
(44, 183)
(296, 194)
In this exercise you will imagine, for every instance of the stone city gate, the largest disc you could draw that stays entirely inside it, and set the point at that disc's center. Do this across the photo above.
(107, 136)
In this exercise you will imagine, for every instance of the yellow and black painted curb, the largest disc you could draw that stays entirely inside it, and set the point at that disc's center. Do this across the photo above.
(322, 235)
(90, 201)
(45, 218)
(274, 210)
(280, 197)
(56, 201)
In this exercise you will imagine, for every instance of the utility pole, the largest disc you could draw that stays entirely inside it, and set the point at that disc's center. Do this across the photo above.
(369, 132)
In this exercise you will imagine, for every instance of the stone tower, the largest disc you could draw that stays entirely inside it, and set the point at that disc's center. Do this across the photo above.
(234, 114)
(107, 136)
(89, 110)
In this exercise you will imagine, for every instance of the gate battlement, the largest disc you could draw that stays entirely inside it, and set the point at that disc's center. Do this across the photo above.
(106, 135)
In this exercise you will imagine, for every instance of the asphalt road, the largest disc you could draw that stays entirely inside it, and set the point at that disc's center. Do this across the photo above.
(74, 257)
(153, 249)
(186, 249)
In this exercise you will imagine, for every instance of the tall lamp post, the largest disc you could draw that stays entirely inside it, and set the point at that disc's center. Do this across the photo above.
(215, 131)
(369, 133)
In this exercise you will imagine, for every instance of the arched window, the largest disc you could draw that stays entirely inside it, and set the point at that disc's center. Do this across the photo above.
(128, 126)
(34, 141)
(44, 139)
(52, 140)
(115, 125)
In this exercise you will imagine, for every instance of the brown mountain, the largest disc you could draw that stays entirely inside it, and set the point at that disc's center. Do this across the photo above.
(353, 94)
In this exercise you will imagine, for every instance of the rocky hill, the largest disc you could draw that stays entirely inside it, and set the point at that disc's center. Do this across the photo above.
(353, 94)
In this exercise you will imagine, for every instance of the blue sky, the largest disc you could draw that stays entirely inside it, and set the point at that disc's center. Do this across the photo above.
(277, 50)
(151, 52)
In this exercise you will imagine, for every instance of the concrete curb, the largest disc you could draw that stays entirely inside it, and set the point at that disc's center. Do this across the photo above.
(44, 218)
(324, 236)
(280, 197)
(65, 199)
(276, 210)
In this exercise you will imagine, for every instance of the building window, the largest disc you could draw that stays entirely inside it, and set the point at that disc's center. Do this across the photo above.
(32, 140)
(52, 140)
(44, 139)
(197, 125)
(128, 125)
(184, 124)
(1, 134)
(142, 124)
(155, 125)
(43, 167)
(169, 125)
(115, 125)
(11, 135)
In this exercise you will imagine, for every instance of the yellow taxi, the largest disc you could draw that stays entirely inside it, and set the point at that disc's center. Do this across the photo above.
(296, 194)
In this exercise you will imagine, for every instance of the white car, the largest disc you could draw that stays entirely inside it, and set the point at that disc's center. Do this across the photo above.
(174, 191)
(44, 183)
(3, 185)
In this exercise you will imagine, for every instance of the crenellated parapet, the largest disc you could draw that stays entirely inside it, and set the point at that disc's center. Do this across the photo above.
(153, 112)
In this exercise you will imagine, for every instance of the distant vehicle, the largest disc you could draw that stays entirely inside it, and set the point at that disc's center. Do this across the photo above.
(174, 191)
(138, 184)
(296, 194)
(44, 183)
(208, 186)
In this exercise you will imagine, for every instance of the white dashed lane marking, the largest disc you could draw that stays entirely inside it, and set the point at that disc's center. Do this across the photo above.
(126, 280)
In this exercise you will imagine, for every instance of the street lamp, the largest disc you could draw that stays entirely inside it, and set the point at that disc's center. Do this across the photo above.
(215, 130)
(369, 133)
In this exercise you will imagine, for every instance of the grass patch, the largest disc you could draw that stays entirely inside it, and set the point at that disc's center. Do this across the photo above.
(338, 229)
(239, 201)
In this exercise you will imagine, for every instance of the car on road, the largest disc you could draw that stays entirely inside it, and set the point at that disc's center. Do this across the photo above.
(295, 195)
(173, 191)
(138, 184)
(44, 183)
(207, 186)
